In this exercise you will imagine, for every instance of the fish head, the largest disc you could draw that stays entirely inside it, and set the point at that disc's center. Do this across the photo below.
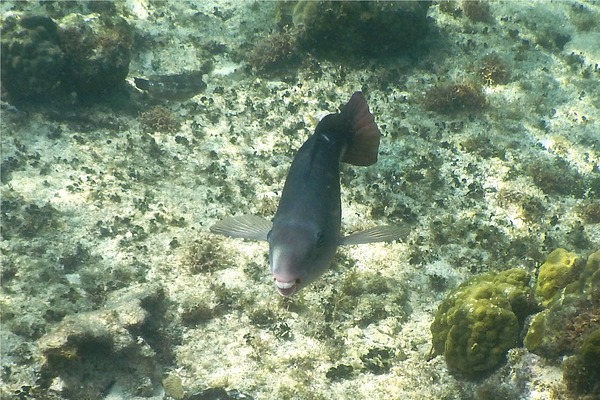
(299, 255)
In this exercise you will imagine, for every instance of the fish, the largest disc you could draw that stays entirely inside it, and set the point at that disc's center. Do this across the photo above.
(304, 234)
(178, 87)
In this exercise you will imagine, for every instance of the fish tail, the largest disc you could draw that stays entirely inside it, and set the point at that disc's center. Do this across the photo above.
(364, 145)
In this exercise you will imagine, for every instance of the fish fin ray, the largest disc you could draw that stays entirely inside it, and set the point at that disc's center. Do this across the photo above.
(364, 145)
(250, 227)
(385, 233)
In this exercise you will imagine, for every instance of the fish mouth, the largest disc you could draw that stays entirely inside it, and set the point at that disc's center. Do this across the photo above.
(286, 288)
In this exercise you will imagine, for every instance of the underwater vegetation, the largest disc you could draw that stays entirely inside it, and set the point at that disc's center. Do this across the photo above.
(276, 51)
(159, 119)
(590, 212)
(494, 71)
(582, 371)
(455, 98)
(42, 58)
(555, 177)
(477, 11)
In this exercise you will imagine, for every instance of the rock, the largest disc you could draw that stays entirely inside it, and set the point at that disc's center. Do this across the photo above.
(92, 351)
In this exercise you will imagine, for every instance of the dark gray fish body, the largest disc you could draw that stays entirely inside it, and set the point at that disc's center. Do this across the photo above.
(177, 87)
(306, 226)
(305, 232)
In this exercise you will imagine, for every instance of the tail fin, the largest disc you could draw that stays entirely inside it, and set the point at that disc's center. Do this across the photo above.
(364, 146)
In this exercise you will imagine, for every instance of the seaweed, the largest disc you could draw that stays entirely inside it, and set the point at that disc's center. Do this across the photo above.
(455, 98)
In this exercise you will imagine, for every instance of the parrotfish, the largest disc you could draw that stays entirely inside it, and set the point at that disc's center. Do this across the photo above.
(177, 87)
(305, 231)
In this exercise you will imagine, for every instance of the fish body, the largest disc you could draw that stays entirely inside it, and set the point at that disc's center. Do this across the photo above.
(176, 87)
(305, 231)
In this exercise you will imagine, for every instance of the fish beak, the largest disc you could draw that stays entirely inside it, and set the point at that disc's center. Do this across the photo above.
(286, 288)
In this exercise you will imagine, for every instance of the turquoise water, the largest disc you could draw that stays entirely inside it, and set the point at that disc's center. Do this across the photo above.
(111, 279)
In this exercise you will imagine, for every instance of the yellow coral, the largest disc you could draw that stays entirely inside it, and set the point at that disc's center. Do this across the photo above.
(480, 321)
(554, 275)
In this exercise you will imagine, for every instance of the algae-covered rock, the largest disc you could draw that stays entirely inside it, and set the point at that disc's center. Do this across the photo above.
(98, 51)
(582, 372)
(43, 59)
(589, 281)
(117, 344)
(572, 301)
(481, 320)
(356, 27)
(32, 61)
(554, 274)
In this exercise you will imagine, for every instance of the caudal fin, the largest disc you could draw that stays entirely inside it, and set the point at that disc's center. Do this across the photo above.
(364, 146)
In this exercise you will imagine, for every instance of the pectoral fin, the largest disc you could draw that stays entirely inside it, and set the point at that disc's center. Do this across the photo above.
(385, 233)
(243, 226)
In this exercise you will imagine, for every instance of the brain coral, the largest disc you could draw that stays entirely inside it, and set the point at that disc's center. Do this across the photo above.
(481, 320)
(32, 61)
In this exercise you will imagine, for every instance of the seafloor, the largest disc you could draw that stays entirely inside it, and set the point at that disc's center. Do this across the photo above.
(113, 287)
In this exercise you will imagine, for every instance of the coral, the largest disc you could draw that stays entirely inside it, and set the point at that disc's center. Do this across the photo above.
(89, 352)
(455, 98)
(42, 59)
(339, 29)
(478, 322)
(554, 275)
(32, 64)
(582, 371)
(98, 51)
(573, 310)
(173, 387)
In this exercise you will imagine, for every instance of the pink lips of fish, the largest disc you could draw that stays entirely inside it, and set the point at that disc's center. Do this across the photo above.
(286, 288)
(286, 282)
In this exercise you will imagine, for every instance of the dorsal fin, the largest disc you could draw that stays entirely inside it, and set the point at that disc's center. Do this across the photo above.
(364, 145)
